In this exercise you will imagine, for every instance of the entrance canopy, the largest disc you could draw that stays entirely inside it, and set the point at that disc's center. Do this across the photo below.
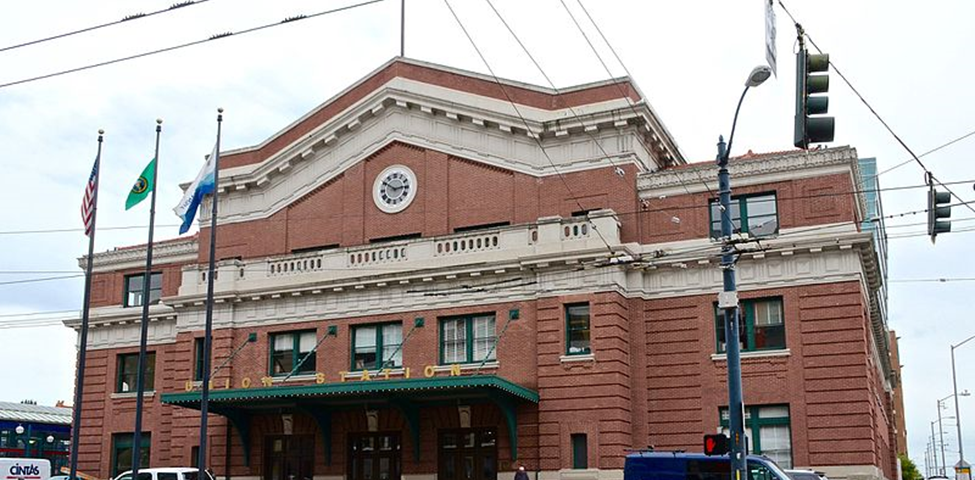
(320, 400)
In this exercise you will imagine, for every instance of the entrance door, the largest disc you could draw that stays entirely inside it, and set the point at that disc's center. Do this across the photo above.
(289, 457)
(374, 456)
(468, 454)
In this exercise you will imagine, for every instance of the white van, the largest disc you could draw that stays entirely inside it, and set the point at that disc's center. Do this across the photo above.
(166, 473)
(25, 469)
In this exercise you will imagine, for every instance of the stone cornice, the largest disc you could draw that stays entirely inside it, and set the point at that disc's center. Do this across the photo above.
(480, 132)
(699, 177)
(165, 252)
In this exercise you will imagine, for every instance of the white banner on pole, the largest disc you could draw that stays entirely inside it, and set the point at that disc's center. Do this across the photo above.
(770, 53)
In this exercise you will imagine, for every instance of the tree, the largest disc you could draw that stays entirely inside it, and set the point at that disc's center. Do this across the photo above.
(908, 469)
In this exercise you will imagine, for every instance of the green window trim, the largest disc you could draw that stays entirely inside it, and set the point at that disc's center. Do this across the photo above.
(468, 322)
(580, 451)
(122, 441)
(132, 289)
(751, 334)
(296, 353)
(746, 222)
(754, 423)
(127, 368)
(198, 358)
(583, 333)
(381, 344)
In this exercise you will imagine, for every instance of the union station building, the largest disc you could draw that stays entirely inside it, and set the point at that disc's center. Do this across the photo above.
(437, 275)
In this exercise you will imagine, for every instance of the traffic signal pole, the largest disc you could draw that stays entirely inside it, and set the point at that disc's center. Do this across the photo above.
(728, 303)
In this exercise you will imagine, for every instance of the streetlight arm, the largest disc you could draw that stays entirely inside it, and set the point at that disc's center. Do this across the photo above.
(953, 346)
(734, 123)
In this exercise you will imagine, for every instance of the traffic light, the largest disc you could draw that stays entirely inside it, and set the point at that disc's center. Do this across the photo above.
(809, 84)
(716, 444)
(938, 207)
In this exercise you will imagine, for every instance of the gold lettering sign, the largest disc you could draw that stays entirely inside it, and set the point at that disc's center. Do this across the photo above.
(429, 371)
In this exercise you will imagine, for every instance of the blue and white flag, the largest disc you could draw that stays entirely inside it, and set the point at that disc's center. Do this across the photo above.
(186, 209)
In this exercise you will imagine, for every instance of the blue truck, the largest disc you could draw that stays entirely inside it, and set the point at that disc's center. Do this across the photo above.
(651, 465)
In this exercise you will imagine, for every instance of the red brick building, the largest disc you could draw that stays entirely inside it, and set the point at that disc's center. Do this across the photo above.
(463, 275)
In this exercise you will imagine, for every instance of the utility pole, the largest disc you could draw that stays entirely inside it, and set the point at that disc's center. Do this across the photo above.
(728, 303)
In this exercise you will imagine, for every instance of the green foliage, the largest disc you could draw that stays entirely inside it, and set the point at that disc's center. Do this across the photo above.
(909, 469)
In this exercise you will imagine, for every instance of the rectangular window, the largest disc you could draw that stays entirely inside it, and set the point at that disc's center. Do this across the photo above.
(133, 289)
(580, 451)
(288, 349)
(467, 339)
(128, 369)
(122, 452)
(577, 329)
(756, 215)
(377, 346)
(195, 456)
(768, 432)
(762, 325)
(198, 358)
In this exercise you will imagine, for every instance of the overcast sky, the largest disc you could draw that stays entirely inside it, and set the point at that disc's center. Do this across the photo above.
(908, 59)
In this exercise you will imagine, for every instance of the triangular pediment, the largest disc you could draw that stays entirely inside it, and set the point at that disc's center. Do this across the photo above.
(446, 110)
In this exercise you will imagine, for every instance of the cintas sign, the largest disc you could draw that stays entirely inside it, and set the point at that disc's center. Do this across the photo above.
(25, 469)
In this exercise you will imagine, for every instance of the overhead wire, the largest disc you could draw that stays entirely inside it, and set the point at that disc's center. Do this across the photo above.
(318, 216)
(214, 37)
(125, 19)
(619, 87)
(914, 157)
(531, 134)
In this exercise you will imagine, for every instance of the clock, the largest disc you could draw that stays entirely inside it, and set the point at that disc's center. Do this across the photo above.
(394, 189)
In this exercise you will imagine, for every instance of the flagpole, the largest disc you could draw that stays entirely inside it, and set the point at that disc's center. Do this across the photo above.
(83, 340)
(402, 28)
(146, 281)
(207, 340)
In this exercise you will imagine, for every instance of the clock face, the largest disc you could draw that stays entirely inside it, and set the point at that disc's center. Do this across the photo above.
(394, 188)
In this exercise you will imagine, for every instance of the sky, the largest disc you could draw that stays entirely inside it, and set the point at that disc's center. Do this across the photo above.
(907, 59)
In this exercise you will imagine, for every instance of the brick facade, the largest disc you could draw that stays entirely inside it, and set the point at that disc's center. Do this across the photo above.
(654, 375)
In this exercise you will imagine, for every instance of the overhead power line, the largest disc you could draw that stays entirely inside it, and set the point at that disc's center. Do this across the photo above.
(125, 19)
(877, 115)
(217, 36)
(316, 216)
(531, 133)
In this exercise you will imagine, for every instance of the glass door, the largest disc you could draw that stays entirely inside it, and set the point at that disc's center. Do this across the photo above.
(289, 457)
(374, 456)
(468, 454)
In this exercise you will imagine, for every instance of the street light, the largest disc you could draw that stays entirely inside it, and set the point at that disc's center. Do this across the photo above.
(962, 469)
(941, 432)
(728, 298)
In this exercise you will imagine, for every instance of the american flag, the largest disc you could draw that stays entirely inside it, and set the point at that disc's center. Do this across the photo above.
(88, 203)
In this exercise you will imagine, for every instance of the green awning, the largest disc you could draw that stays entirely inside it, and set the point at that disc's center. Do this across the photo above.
(318, 400)
(419, 387)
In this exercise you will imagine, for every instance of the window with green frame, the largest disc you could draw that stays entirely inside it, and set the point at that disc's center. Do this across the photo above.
(762, 325)
(287, 350)
(580, 451)
(122, 452)
(467, 339)
(198, 358)
(768, 431)
(377, 346)
(133, 289)
(577, 329)
(756, 215)
(126, 373)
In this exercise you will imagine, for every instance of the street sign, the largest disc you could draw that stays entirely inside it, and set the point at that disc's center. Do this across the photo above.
(770, 53)
(963, 470)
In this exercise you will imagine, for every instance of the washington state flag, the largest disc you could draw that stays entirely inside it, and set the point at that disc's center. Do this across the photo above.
(143, 186)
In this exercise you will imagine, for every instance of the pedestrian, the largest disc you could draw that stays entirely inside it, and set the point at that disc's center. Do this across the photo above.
(521, 474)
